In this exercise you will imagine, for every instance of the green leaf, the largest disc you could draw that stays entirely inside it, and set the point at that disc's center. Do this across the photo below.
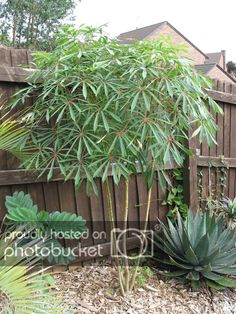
(19, 200)
(223, 281)
(65, 222)
(146, 101)
(105, 123)
(85, 94)
(134, 102)
(22, 215)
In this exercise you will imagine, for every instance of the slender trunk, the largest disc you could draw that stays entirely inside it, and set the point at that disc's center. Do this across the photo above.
(14, 31)
(20, 32)
(142, 243)
(113, 240)
(126, 209)
(28, 29)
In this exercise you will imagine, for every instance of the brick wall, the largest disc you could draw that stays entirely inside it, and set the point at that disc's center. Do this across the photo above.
(193, 53)
(216, 73)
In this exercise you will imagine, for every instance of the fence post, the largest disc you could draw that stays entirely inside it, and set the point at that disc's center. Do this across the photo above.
(190, 175)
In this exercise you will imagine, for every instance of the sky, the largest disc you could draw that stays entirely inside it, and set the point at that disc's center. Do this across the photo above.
(209, 24)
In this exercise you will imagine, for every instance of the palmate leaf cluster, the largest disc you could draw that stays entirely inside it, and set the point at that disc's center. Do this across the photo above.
(22, 212)
(101, 106)
(199, 249)
(23, 290)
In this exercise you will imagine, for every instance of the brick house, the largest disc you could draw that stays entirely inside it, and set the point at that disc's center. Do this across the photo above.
(212, 64)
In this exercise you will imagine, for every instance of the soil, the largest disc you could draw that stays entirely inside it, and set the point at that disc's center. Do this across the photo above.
(95, 289)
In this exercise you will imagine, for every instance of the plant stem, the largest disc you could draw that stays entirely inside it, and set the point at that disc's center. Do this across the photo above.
(141, 248)
(112, 223)
(126, 209)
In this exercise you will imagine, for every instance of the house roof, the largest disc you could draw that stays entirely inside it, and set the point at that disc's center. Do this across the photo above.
(143, 32)
(214, 57)
(206, 68)
(138, 33)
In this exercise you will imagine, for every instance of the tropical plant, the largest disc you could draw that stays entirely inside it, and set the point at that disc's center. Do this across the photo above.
(199, 249)
(23, 290)
(53, 225)
(227, 208)
(104, 108)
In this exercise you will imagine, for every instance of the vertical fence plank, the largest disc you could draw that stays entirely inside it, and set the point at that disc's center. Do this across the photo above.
(190, 176)
(154, 213)
(142, 195)
(97, 214)
(51, 196)
(162, 195)
(36, 192)
(120, 202)
(83, 209)
(134, 201)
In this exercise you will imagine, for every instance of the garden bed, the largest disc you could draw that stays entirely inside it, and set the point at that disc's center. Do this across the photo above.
(95, 289)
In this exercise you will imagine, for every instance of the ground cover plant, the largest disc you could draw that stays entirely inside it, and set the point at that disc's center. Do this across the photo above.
(199, 249)
(103, 109)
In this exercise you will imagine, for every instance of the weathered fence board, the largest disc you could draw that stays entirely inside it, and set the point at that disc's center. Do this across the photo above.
(210, 161)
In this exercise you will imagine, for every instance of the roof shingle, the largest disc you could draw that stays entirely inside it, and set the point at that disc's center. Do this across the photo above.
(213, 57)
(205, 68)
(138, 34)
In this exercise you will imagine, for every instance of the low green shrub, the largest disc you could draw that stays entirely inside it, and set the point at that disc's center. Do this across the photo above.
(198, 250)
(143, 274)
(50, 226)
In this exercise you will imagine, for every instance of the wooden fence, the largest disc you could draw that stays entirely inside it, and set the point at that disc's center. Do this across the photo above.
(57, 195)
(212, 171)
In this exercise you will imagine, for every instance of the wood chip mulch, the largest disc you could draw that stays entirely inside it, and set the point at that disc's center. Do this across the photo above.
(95, 289)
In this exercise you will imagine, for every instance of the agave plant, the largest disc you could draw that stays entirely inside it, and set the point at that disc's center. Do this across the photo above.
(199, 250)
(22, 289)
(22, 211)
